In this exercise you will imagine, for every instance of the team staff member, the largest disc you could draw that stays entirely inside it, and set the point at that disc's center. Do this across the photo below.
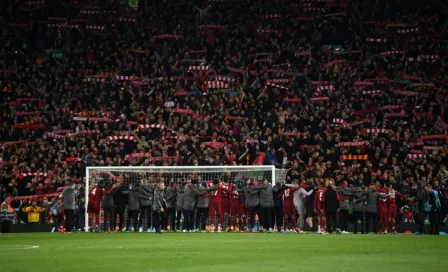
(159, 206)
(170, 213)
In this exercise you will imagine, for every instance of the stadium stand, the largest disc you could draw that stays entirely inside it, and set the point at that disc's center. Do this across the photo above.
(348, 90)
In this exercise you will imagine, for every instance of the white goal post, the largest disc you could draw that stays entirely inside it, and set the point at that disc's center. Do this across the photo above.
(133, 175)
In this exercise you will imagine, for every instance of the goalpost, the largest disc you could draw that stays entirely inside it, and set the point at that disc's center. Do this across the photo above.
(133, 175)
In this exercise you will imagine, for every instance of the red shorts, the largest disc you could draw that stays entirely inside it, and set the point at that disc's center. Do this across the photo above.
(93, 208)
(215, 208)
(392, 210)
(226, 206)
(242, 210)
(288, 209)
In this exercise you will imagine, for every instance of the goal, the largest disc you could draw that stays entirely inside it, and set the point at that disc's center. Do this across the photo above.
(133, 176)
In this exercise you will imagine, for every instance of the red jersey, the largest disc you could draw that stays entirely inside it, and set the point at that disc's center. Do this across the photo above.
(216, 195)
(235, 198)
(319, 199)
(288, 195)
(391, 200)
(226, 189)
(95, 195)
(382, 204)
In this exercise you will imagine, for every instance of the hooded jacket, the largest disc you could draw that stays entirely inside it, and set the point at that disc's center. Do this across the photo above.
(266, 193)
(170, 197)
(146, 194)
(252, 199)
(191, 194)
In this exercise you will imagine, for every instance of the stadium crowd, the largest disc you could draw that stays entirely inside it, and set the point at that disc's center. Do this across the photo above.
(353, 91)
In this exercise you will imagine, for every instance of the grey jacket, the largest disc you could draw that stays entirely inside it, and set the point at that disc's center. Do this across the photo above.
(252, 199)
(133, 200)
(359, 198)
(69, 195)
(159, 200)
(345, 194)
(170, 197)
(266, 192)
(372, 197)
(146, 194)
(180, 198)
(191, 194)
(203, 202)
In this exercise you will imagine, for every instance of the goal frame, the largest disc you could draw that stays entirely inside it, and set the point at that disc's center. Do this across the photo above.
(149, 168)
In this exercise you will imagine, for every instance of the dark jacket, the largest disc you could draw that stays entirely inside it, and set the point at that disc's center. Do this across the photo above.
(252, 199)
(108, 198)
(266, 195)
(331, 200)
(180, 198)
(159, 200)
(191, 194)
(133, 200)
(146, 194)
(170, 197)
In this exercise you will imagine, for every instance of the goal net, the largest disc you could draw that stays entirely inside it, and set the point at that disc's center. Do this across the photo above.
(100, 180)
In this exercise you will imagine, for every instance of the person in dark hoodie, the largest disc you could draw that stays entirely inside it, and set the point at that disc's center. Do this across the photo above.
(146, 193)
(159, 206)
(170, 213)
(277, 215)
(120, 199)
(191, 195)
(179, 203)
(252, 203)
(202, 208)
(108, 206)
(359, 198)
(133, 208)
(331, 197)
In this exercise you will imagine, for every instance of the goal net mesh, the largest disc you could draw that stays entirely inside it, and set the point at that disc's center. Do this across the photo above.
(101, 179)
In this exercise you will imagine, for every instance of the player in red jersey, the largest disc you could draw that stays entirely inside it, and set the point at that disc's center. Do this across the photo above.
(243, 209)
(215, 205)
(392, 206)
(382, 211)
(234, 208)
(288, 207)
(93, 206)
(226, 192)
(319, 209)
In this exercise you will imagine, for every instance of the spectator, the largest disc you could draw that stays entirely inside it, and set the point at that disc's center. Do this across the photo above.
(33, 212)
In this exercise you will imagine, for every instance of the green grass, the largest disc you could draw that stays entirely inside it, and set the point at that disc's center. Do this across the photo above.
(230, 252)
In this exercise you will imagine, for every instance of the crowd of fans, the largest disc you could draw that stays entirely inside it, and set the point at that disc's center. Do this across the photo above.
(350, 90)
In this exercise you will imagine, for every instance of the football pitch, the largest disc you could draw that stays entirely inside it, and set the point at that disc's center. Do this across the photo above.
(230, 252)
